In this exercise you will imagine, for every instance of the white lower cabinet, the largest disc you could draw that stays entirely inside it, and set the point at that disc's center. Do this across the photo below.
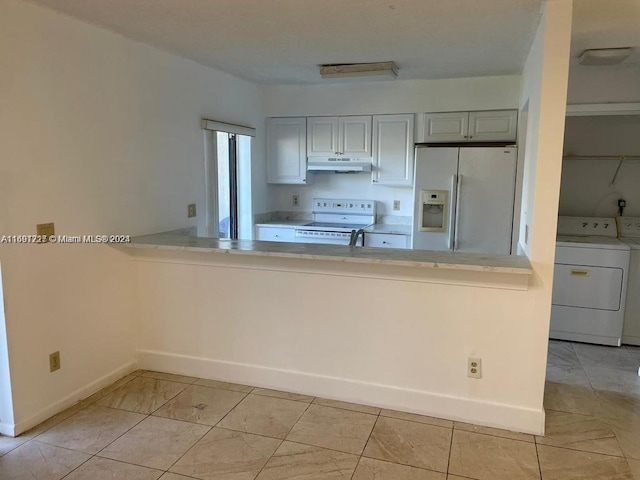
(275, 234)
(386, 240)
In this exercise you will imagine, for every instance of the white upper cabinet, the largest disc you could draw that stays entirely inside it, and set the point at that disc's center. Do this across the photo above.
(322, 136)
(393, 150)
(287, 150)
(445, 127)
(484, 126)
(496, 126)
(333, 136)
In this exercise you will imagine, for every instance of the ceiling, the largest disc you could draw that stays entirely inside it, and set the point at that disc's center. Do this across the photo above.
(605, 24)
(284, 41)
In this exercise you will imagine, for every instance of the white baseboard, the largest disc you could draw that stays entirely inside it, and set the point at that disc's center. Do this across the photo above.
(479, 412)
(22, 426)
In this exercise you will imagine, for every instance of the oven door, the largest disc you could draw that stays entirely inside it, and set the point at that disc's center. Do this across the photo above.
(324, 237)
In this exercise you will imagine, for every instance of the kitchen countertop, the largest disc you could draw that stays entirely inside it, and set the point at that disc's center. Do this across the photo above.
(284, 223)
(518, 265)
(390, 229)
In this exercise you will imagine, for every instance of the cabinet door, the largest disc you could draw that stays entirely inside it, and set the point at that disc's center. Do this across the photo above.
(445, 127)
(286, 150)
(275, 234)
(393, 152)
(386, 240)
(496, 126)
(354, 139)
(484, 213)
(322, 136)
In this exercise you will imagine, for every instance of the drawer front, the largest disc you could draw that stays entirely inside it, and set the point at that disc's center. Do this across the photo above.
(385, 240)
(587, 287)
(275, 234)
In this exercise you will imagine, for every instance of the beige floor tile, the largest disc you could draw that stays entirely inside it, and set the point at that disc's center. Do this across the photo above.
(333, 428)
(227, 455)
(174, 476)
(371, 469)
(496, 432)
(268, 416)
(354, 407)
(562, 464)
(9, 443)
(612, 380)
(108, 389)
(155, 442)
(621, 406)
(294, 461)
(571, 398)
(39, 461)
(286, 395)
(52, 421)
(410, 443)
(579, 432)
(224, 385)
(485, 457)
(562, 353)
(104, 469)
(634, 466)
(628, 436)
(198, 404)
(91, 429)
(602, 356)
(456, 477)
(412, 417)
(170, 377)
(142, 395)
(569, 375)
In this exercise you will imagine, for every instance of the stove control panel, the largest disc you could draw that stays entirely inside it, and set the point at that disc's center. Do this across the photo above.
(628, 226)
(336, 206)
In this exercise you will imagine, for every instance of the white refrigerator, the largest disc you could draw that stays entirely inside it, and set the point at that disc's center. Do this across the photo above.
(464, 199)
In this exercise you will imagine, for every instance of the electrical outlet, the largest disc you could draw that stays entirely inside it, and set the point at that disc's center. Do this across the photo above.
(54, 361)
(296, 200)
(396, 205)
(474, 367)
(45, 230)
(191, 210)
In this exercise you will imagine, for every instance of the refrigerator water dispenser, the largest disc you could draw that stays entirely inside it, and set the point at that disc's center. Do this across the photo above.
(434, 206)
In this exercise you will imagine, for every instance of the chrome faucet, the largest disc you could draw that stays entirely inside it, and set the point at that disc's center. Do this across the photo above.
(353, 240)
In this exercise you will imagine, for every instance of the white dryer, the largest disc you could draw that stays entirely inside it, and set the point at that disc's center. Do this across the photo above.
(589, 282)
(629, 232)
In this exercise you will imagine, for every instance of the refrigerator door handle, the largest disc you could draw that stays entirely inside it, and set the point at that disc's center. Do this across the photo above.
(454, 188)
(456, 243)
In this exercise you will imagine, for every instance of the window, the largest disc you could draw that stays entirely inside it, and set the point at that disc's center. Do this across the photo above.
(228, 180)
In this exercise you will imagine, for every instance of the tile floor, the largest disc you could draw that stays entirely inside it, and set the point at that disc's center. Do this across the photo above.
(152, 425)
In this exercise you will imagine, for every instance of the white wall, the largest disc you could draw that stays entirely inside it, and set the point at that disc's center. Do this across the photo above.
(544, 93)
(100, 135)
(586, 188)
(608, 84)
(382, 97)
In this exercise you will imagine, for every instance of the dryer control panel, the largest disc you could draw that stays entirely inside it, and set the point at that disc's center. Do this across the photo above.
(587, 226)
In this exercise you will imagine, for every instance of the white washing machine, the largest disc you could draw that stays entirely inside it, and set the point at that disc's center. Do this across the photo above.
(629, 232)
(589, 282)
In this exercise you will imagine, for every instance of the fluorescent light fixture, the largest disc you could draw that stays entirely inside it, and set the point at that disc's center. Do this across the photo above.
(379, 70)
(604, 56)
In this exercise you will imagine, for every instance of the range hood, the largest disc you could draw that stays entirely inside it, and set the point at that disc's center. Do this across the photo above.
(338, 165)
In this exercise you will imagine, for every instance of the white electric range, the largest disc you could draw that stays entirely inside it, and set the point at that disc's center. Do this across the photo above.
(629, 233)
(589, 282)
(335, 219)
